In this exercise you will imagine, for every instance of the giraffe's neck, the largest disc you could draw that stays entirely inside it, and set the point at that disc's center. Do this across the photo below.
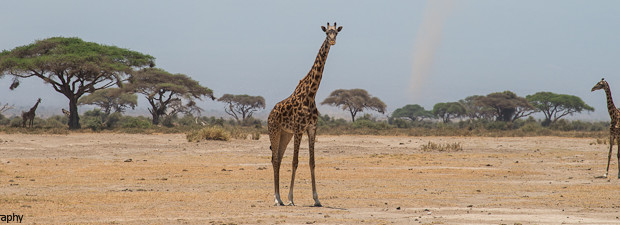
(613, 111)
(309, 85)
(35, 107)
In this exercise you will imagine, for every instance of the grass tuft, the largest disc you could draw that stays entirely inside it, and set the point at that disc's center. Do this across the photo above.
(209, 133)
(431, 146)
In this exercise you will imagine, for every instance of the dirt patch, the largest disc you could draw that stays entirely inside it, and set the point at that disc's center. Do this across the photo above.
(90, 179)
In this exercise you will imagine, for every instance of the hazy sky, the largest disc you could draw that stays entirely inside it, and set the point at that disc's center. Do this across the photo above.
(404, 52)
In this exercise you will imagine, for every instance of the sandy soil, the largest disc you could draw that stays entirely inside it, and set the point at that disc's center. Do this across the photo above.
(89, 179)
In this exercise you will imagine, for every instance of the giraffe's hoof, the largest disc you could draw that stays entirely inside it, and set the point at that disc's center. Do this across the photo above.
(291, 204)
(279, 204)
(317, 204)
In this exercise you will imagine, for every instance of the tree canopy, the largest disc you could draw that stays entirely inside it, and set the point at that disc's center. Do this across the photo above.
(242, 105)
(475, 109)
(110, 98)
(73, 67)
(507, 105)
(412, 112)
(354, 100)
(448, 110)
(166, 92)
(556, 106)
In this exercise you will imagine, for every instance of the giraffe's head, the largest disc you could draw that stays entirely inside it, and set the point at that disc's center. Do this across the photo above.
(332, 32)
(600, 85)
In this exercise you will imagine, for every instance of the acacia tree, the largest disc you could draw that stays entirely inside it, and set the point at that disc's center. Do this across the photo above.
(354, 100)
(507, 105)
(556, 106)
(5, 107)
(413, 112)
(243, 105)
(474, 109)
(72, 67)
(110, 98)
(166, 92)
(448, 110)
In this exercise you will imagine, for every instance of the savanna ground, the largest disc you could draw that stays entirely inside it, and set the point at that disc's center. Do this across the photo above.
(88, 178)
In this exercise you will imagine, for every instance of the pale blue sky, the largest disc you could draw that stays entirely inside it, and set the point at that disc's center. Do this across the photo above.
(265, 47)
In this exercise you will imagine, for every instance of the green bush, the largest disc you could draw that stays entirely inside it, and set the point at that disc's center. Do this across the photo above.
(4, 121)
(135, 122)
(16, 121)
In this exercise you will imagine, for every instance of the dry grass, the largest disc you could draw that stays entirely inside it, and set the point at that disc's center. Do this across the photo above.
(209, 133)
(451, 147)
(256, 136)
(83, 178)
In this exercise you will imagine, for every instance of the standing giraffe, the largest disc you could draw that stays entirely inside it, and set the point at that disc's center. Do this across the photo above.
(614, 127)
(298, 114)
(30, 114)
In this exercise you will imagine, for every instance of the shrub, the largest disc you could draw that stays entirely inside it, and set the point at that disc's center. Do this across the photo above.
(431, 146)
(256, 136)
(238, 133)
(4, 121)
(135, 122)
(54, 123)
(209, 133)
(16, 121)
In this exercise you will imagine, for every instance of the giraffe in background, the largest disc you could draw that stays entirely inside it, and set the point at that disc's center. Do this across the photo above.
(30, 114)
(614, 127)
(298, 114)
(67, 113)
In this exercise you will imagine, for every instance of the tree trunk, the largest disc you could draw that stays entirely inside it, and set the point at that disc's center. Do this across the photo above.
(155, 117)
(74, 117)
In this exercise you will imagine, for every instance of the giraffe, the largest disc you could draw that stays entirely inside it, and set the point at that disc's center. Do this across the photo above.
(67, 113)
(30, 114)
(614, 127)
(298, 114)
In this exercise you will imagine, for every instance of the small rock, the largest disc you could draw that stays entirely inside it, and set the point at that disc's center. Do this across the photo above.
(129, 160)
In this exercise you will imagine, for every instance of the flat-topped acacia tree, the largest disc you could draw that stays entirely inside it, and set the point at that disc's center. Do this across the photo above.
(166, 92)
(72, 66)
(242, 105)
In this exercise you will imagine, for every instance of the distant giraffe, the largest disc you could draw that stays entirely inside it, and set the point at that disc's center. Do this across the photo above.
(30, 114)
(67, 113)
(298, 114)
(614, 127)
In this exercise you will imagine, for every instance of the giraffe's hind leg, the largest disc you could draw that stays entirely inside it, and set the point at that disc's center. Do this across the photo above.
(611, 147)
(279, 139)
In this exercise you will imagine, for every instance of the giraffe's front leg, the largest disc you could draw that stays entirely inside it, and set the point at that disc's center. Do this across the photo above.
(311, 139)
(296, 142)
(618, 144)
